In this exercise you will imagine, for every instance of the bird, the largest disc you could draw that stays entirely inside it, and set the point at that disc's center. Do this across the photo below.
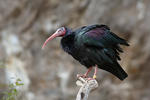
(94, 46)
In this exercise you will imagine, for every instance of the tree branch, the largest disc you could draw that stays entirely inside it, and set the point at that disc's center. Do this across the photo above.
(86, 87)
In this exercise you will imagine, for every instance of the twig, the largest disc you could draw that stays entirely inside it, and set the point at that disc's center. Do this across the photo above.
(86, 87)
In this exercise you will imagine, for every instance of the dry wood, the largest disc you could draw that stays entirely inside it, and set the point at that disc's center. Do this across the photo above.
(86, 87)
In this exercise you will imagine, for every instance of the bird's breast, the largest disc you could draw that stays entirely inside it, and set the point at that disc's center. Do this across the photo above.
(67, 44)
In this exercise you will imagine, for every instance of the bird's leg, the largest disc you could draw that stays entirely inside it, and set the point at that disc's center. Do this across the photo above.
(86, 74)
(88, 71)
(95, 72)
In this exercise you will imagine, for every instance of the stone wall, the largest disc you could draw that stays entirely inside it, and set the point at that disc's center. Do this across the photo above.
(50, 74)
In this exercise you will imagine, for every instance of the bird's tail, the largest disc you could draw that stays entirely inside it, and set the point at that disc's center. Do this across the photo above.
(116, 70)
(120, 73)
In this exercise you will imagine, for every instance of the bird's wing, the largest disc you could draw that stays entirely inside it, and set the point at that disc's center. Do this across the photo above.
(102, 47)
(100, 37)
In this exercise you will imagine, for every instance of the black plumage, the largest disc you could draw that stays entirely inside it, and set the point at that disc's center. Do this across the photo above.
(95, 45)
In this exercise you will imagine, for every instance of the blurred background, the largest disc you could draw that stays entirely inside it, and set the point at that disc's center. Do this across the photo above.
(50, 74)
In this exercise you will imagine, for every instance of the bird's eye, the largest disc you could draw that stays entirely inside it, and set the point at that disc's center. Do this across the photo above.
(61, 29)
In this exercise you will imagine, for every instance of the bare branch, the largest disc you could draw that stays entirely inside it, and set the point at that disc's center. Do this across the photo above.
(86, 87)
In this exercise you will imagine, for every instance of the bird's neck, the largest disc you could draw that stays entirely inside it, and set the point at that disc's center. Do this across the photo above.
(68, 31)
(67, 43)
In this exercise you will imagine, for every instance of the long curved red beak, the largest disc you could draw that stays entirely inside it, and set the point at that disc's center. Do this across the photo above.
(60, 32)
(50, 38)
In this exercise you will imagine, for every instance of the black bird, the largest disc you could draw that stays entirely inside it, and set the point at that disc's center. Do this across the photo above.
(93, 46)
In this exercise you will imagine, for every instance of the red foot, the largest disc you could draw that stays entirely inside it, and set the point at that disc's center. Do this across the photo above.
(90, 79)
(80, 75)
(85, 76)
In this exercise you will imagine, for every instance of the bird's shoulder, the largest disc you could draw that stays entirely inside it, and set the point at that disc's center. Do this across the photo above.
(85, 29)
(98, 35)
(91, 34)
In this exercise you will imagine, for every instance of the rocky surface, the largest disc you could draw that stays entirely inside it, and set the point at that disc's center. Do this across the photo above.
(50, 74)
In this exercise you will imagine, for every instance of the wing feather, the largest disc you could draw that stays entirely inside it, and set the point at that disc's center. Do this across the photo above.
(101, 47)
(100, 37)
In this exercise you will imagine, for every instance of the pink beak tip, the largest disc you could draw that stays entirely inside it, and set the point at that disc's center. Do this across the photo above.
(43, 46)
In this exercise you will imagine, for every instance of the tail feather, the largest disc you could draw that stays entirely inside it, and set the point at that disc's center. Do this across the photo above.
(120, 40)
(116, 70)
(121, 74)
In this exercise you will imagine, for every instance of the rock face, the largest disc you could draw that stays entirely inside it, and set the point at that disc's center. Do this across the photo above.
(50, 74)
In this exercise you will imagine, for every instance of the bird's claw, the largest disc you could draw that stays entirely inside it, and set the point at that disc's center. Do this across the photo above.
(81, 75)
(94, 76)
(91, 78)
(85, 76)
